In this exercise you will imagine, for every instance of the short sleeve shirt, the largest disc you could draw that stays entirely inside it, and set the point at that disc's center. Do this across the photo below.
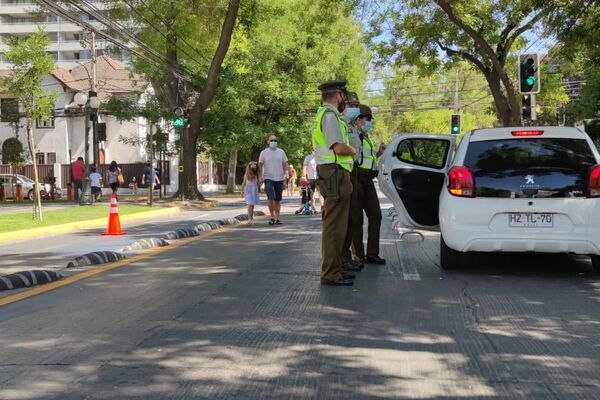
(311, 166)
(273, 163)
(95, 179)
(331, 127)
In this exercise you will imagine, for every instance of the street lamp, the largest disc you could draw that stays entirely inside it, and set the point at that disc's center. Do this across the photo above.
(91, 103)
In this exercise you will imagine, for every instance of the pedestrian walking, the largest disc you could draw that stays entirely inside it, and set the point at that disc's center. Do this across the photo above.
(349, 117)
(77, 174)
(368, 201)
(250, 189)
(114, 176)
(309, 172)
(96, 184)
(293, 176)
(273, 165)
(335, 160)
(150, 177)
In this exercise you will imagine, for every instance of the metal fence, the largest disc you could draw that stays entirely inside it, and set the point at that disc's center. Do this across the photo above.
(128, 171)
(219, 173)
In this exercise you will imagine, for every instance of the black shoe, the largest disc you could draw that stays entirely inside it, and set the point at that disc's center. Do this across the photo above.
(278, 222)
(348, 275)
(341, 282)
(374, 260)
(272, 222)
(350, 266)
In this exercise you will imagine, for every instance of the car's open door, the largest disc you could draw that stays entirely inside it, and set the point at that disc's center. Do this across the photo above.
(413, 172)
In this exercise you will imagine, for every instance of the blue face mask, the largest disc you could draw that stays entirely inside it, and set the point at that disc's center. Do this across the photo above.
(273, 144)
(352, 112)
(368, 126)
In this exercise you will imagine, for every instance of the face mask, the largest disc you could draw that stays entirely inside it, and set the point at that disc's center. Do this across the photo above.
(368, 126)
(273, 145)
(352, 112)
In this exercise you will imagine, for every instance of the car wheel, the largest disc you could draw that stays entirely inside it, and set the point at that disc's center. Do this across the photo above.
(449, 258)
(596, 264)
(30, 195)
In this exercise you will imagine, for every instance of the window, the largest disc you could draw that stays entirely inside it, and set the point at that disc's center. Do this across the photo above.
(51, 158)
(40, 158)
(430, 153)
(9, 110)
(40, 123)
(525, 168)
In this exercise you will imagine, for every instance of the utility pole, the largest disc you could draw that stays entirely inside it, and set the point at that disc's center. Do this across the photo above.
(152, 172)
(456, 96)
(94, 88)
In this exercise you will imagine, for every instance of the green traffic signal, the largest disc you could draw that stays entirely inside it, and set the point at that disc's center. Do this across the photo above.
(455, 129)
(531, 80)
(178, 123)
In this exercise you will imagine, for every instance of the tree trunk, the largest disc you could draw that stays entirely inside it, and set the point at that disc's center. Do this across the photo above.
(231, 171)
(37, 201)
(507, 113)
(190, 176)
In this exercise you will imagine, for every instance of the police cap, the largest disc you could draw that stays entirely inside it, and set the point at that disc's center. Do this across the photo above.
(365, 111)
(336, 85)
(352, 98)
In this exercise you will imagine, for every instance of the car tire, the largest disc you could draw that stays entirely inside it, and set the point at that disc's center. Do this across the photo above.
(596, 264)
(449, 258)
(30, 195)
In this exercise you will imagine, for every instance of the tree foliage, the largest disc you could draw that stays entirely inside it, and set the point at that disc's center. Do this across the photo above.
(270, 77)
(431, 34)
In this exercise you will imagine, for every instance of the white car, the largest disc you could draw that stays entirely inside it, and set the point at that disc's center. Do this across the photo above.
(525, 189)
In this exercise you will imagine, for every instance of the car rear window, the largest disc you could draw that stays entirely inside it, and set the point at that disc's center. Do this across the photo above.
(535, 167)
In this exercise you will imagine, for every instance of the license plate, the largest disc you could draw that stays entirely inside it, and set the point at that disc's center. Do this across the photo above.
(530, 220)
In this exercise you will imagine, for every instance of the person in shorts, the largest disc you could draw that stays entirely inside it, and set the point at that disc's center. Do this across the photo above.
(309, 172)
(96, 184)
(273, 164)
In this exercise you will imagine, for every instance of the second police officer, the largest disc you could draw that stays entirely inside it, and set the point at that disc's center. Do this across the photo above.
(367, 162)
(335, 160)
(354, 223)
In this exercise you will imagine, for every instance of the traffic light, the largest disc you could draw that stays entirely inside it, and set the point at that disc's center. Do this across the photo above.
(179, 118)
(526, 108)
(101, 131)
(455, 124)
(529, 73)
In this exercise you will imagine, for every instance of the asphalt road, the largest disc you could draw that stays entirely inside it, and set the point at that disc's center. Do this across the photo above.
(241, 315)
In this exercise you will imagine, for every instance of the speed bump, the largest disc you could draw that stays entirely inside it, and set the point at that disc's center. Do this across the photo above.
(25, 279)
(95, 258)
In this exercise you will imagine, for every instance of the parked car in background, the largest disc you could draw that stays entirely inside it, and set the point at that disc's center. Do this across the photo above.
(10, 181)
(527, 189)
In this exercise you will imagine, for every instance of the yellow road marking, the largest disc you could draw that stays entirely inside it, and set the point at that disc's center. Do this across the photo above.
(107, 267)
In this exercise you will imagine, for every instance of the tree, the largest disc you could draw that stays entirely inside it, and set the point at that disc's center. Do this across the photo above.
(187, 42)
(411, 103)
(30, 64)
(271, 74)
(480, 32)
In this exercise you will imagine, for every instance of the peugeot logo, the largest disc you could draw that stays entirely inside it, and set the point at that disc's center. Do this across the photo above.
(529, 180)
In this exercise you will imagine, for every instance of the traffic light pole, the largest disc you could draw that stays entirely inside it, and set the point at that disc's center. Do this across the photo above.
(533, 110)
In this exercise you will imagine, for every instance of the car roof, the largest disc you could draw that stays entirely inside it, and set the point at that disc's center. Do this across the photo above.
(564, 132)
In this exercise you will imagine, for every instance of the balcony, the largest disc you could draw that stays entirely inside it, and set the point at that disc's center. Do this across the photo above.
(16, 9)
(31, 27)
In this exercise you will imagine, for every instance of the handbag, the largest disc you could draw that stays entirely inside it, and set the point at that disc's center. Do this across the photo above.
(120, 178)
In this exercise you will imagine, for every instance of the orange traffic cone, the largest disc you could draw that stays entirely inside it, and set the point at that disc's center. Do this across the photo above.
(114, 224)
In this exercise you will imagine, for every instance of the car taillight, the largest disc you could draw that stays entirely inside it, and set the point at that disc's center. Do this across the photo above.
(594, 182)
(527, 133)
(460, 182)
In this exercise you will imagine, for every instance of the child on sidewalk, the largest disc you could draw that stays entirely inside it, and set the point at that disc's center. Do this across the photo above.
(250, 189)
(96, 184)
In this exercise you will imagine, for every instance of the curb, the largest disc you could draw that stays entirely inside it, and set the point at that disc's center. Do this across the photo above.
(76, 226)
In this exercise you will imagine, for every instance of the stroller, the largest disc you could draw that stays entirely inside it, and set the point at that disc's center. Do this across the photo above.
(307, 194)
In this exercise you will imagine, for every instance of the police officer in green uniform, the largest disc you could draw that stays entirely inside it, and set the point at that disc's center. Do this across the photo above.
(351, 113)
(368, 167)
(334, 157)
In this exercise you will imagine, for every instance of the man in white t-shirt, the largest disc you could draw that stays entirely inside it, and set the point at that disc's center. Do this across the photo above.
(274, 169)
(309, 171)
(96, 184)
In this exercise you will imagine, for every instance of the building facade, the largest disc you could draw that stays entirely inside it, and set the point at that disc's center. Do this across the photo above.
(69, 44)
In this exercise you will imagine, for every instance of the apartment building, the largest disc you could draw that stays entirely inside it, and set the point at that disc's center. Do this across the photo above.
(69, 43)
